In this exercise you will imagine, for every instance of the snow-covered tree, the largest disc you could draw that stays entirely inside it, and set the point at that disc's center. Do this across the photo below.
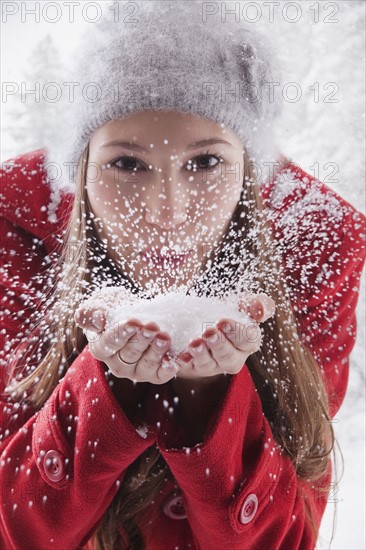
(33, 106)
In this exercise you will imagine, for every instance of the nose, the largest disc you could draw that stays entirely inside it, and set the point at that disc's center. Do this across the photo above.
(163, 220)
(166, 208)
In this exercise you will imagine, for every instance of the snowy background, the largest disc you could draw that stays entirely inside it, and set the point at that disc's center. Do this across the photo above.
(324, 51)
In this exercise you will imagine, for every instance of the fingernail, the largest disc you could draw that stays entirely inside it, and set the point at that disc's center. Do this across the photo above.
(129, 329)
(197, 349)
(91, 335)
(97, 319)
(185, 357)
(227, 327)
(213, 338)
(148, 333)
(255, 309)
(161, 343)
(168, 365)
(268, 305)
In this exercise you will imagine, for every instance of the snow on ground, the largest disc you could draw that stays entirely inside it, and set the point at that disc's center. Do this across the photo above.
(330, 134)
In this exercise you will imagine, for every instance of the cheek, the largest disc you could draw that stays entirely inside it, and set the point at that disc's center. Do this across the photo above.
(221, 199)
(102, 196)
(115, 212)
(230, 192)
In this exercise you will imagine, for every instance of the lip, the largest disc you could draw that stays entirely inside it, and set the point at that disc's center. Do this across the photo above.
(169, 257)
(165, 252)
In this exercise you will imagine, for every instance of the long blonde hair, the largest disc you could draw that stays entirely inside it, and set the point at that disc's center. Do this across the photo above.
(288, 378)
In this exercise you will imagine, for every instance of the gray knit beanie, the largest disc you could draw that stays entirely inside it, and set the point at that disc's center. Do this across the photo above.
(171, 55)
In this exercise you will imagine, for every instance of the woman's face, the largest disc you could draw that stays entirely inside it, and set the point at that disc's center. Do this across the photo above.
(161, 183)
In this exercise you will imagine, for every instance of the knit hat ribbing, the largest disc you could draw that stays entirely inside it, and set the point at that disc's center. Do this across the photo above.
(167, 56)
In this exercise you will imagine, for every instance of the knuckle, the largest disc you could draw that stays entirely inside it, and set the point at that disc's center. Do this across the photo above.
(166, 374)
(252, 332)
(156, 353)
(236, 366)
(165, 371)
(203, 364)
(253, 347)
(111, 337)
(116, 370)
(150, 363)
(227, 362)
(225, 355)
(91, 335)
(131, 354)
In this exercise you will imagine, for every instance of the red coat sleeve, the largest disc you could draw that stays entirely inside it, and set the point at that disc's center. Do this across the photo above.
(322, 237)
(66, 461)
(239, 490)
(60, 467)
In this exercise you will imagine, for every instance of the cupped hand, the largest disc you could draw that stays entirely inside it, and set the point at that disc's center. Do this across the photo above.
(220, 351)
(136, 343)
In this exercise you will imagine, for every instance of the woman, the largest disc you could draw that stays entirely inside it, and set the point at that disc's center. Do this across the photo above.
(102, 445)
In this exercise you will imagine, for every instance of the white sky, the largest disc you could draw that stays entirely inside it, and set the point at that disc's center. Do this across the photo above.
(15, 52)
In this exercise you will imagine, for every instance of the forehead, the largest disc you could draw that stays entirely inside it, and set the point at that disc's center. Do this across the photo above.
(162, 128)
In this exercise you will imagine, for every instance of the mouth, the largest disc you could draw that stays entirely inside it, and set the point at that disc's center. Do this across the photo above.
(166, 256)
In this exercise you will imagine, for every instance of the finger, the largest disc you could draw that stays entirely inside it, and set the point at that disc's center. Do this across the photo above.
(228, 358)
(114, 338)
(210, 357)
(202, 361)
(168, 369)
(154, 366)
(259, 306)
(185, 359)
(245, 337)
(133, 349)
(152, 358)
(92, 336)
(90, 318)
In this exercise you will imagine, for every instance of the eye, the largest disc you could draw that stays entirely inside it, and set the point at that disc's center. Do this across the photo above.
(126, 164)
(202, 162)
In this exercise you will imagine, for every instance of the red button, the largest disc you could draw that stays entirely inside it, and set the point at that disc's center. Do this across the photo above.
(174, 507)
(53, 464)
(249, 508)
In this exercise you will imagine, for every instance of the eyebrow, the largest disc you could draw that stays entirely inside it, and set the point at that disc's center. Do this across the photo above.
(194, 145)
(204, 142)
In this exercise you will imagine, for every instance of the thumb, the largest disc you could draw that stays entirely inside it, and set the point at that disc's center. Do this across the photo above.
(89, 318)
(259, 306)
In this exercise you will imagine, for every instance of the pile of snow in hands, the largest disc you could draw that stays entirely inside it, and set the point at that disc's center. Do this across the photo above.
(183, 317)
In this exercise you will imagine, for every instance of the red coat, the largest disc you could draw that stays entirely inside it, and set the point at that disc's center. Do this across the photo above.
(249, 498)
